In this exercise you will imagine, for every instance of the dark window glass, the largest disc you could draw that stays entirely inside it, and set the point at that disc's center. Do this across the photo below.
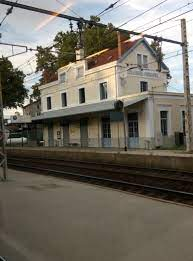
(64, 99)
(80, 72)
(49, 103)
(164, 122)
(63, 77)
(143, 86)
(139, 59)
(133, 128)
(145, 61)
(103, 91)
(82, 95)
(106, 128)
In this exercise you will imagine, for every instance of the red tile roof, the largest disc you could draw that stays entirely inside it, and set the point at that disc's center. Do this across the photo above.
(109, 55)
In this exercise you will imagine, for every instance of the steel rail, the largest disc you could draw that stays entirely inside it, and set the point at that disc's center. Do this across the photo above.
(101, 179)
(106, 164)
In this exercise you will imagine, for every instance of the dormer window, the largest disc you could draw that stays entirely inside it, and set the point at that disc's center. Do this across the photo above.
(142, 61)
(80, 72)
(63, 77)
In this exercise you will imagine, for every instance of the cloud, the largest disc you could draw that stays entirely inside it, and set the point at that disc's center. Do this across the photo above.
(20, 27)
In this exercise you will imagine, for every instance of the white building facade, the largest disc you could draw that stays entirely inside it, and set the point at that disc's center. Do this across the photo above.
(114, 98)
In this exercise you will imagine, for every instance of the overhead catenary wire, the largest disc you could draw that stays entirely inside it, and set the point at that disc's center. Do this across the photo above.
(82, 20)
(126, 69)
(109, 7)
(160, 17)
(9, 11)
(170, 27)
(68, 8)
(116, 7)
(166, 21)
(141, 14)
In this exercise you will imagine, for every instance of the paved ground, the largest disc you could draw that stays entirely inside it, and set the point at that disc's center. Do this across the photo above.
(50, 219)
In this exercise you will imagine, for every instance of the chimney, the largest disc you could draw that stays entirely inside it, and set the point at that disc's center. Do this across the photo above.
(79, 54)
(119, 45)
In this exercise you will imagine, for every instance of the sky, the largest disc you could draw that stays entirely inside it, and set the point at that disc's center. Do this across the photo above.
(34, 29)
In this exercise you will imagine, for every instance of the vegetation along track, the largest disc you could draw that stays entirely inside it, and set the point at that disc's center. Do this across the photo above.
(164, 184)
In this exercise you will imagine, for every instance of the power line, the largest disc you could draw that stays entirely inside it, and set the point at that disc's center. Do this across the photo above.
(74, 12)
(173, 11)
(166, 21)
(116, 7)
(111, 6)
(9, 11)
(170, 27)
(137, 16)
(32, 79)
(84, 21)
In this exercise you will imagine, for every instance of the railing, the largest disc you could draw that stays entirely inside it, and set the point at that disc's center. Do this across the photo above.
(32, 140)
(144, 73)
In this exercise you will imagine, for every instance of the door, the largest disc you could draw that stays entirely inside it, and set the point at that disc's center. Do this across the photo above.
(66, 138)
(84, 132)
(106, 132)
(50, 134)
(133, 130)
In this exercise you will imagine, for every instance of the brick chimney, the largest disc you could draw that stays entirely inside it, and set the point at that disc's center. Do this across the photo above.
(119, 45)
(79, 54)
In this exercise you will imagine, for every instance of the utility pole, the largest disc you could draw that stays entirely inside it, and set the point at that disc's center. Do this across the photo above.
(2, 129)
(187, 95)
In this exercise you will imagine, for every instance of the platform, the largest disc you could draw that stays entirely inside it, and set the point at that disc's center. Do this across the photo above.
(45, 218)
(159, 159)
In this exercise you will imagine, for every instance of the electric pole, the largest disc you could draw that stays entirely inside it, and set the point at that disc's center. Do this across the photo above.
(3, 162)
(187, 95)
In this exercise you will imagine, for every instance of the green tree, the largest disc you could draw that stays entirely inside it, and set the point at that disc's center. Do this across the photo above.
(13, 89)
(95, 39)
(47, 64)
(35, 92)
(65, 44)
(155, 45)
(98, 38)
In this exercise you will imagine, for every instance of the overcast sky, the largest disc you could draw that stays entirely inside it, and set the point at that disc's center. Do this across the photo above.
(32, 29)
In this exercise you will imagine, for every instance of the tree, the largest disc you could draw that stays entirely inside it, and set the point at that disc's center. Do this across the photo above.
(47, 64)
(155, 45)
(13, 89)
(98, 38)
(65, 44)
(35, 92)
(95, 39)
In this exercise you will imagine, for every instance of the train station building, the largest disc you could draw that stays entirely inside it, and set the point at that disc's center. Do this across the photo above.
(114, 98)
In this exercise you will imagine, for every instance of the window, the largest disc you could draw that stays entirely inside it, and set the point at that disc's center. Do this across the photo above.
(184, 122)
(103, 90)
(63, 77)
(144, 86)
(80, 72)
(145, 61)
(139, 59)
(142, 60)
(49, 103)
(164, 122)
(106, 128)
(64, 99)
(133, 128)
(82, 95)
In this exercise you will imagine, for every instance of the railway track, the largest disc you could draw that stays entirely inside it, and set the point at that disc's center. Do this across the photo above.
(168, 185)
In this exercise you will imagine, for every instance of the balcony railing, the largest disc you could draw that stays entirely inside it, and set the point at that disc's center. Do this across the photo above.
(144, 73)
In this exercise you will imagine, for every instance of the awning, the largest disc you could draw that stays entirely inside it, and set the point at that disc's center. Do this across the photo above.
(108, 105)
(132, 100)
(80, 109)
